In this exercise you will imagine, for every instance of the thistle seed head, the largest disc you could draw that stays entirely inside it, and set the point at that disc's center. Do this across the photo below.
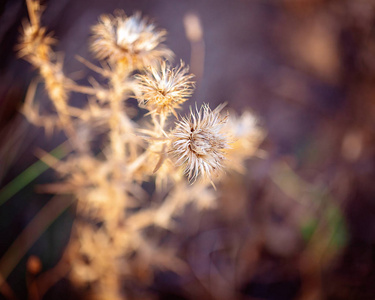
(163, 89)
(248, 136)
(132, 39)
(199, 143)
(35, 43)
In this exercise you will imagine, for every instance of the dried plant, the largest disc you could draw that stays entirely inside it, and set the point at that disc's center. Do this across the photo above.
(163, 89)
(199, 143)
(131, 39)
(108, 186)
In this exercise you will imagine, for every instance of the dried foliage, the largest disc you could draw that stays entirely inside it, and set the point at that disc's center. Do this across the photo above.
(111, 238)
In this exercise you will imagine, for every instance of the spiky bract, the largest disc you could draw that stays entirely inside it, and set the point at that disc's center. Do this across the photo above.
(132, 39)
(199, 142)
(163, 89)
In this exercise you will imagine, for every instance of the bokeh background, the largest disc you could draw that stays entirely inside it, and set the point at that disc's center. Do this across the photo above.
(306, 68)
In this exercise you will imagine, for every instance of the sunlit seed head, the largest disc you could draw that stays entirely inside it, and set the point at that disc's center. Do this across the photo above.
(199, 143)
(34, 41)
(133, 39)
(163, 89)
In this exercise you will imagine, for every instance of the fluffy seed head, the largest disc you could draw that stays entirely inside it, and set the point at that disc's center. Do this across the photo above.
(199, 142)
(132, 39)
(163, 89)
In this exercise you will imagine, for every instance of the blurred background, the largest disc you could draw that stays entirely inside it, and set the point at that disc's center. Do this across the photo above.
(301, 225)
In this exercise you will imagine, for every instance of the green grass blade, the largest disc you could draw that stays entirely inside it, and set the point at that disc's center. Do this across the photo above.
(29, 175)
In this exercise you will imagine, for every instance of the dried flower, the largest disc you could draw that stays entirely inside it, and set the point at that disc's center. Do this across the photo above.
(163, 89)
(34, 40)
(35, 43)
(199, 142)
(248, 135)
(132, 39)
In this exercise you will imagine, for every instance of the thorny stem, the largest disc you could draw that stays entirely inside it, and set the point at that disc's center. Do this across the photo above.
(159, 124)
(118, 146)
(116, 97)
(54, 79)
(163, 118)
(41, 56)
(32, 7)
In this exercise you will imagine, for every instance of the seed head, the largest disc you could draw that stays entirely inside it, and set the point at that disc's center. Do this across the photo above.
(163, 89)
(248, 136)
(199, 142)
(132, 39)
(35, 43)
